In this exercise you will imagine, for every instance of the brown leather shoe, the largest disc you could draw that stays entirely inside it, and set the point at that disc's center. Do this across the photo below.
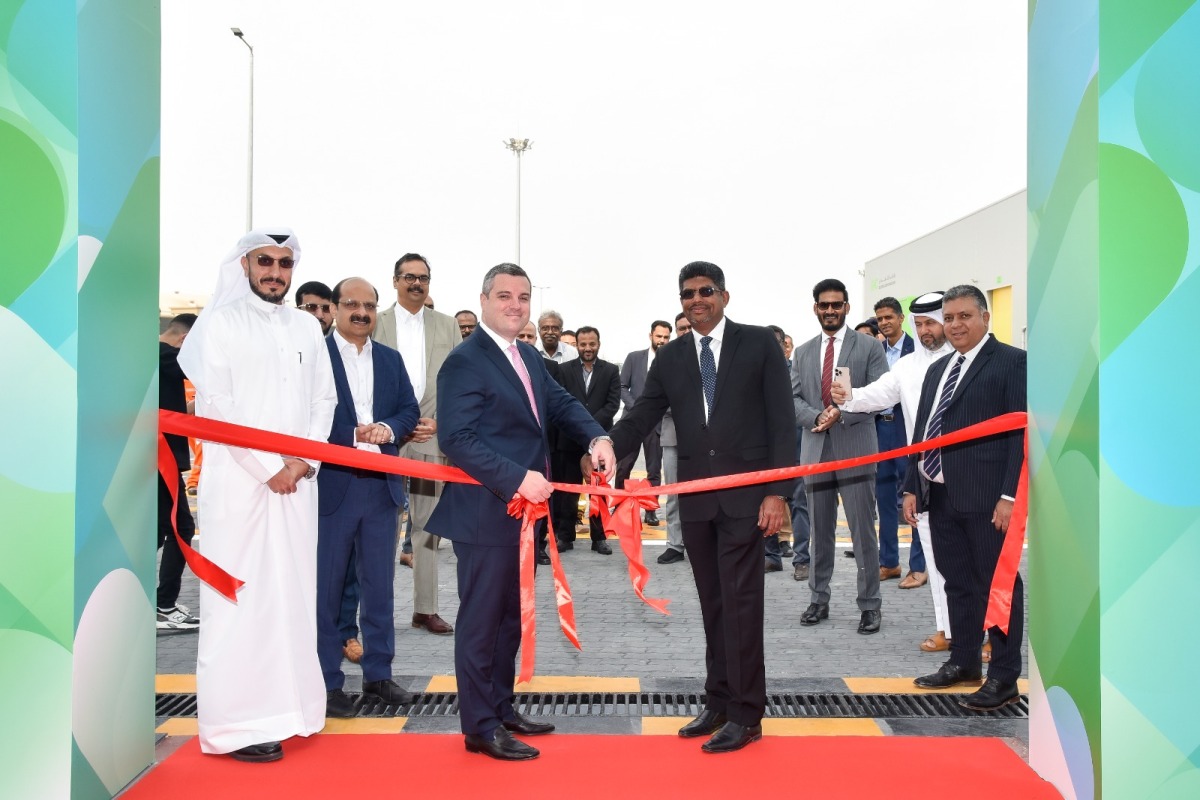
(935, 643)
(406, 560)
(432, 623)
(914, 579)
(352, 650)
(887, 573)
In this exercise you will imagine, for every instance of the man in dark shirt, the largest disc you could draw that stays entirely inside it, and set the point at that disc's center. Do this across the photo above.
(172, 616)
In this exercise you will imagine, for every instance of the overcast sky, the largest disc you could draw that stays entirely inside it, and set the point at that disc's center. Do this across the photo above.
(784, 142)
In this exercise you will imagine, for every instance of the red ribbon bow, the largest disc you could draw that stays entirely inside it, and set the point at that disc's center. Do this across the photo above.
(626, 525)
(529, 513)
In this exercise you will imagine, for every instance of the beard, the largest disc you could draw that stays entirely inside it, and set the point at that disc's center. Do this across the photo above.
(271, 294)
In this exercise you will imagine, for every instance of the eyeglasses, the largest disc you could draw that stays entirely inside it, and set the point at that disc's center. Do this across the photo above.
(551, 328)
(831, 306)
(354, 305)
(312, 307)
(467, 327)
(286, 262)
(703, 291)
(410, 279)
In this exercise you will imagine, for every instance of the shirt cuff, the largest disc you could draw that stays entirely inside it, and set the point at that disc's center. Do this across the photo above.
(1009, 499)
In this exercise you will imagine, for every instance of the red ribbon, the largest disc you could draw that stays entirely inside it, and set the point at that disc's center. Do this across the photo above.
(205, 570)
(639, 492)
(626, 525)
(999, 608)
(529, 513)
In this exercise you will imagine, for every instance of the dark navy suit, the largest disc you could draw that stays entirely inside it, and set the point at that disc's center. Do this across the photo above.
(358, 520)
(889, 479)
(487, 428)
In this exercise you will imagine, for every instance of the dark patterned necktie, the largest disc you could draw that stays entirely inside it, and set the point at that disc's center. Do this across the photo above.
(708, 371)
(933, 458)
(827, 376)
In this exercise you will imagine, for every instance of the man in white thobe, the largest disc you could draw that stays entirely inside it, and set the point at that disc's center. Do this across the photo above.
(260, 363)
(902, 384)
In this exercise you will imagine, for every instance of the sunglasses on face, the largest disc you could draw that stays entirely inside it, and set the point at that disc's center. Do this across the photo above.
(703, 291)
(264, 260)
(830, 306)
(312, 307)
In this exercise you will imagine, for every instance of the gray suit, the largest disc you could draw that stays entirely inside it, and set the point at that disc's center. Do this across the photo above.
(441, 336)
(852, 435)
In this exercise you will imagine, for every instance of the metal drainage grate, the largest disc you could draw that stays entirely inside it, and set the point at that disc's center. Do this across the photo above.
(827, 705)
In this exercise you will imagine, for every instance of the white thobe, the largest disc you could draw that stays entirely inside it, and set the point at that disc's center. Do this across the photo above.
(257, 676)
(902, 384)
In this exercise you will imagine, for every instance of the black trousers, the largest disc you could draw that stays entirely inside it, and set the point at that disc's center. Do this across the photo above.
(170, 570)
(968, 547)
(564, 506)
(727, 563)
(652, 447)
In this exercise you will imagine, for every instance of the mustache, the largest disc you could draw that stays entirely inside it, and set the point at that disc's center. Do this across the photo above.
(360, 318)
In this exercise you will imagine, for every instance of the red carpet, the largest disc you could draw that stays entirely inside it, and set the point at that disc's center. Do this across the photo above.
(576, 766)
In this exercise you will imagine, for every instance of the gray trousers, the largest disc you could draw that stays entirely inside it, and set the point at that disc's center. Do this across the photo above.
(670, 474)
(423, 496)
(858, 498)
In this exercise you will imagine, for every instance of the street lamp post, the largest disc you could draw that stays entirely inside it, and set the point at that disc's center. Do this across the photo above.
(518, 146)
(250, 155)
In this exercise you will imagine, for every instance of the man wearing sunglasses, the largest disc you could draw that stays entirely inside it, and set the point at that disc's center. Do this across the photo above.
(316, 298)
(424, 338)
(726, 387)
(829, 434)
(259, 363)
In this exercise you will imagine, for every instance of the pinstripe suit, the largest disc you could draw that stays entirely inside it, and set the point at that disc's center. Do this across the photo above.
(976, 474)
(852, 435)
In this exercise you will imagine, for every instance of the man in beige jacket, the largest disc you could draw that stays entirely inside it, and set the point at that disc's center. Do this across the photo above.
(424, 338)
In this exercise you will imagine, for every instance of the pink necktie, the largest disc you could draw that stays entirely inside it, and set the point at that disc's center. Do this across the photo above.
(523, 374)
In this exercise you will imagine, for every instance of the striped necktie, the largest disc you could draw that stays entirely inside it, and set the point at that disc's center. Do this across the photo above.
(933, 458)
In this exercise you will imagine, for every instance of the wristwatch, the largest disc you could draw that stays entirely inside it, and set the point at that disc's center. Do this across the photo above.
(592, 444)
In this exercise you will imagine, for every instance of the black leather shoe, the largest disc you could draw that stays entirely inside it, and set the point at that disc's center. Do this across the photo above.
(543, 558)
(602, 548)
(339, 704)
(259, 753)
(524, 725)
(502, 746)
(670, 555)
(565, 546)
(388, 691)
(704, 725)
(869, 623)
(949, 675)
(993, 695)
(652, 519)
(732, 737)
(772, 566)
(814, 613)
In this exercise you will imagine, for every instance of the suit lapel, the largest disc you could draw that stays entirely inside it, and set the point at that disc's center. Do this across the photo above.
(848, 344)
(500, 359)
(430, 373)
(381, 379)
(980, 362)
(340, 381)
(728, 354)
(691, 364)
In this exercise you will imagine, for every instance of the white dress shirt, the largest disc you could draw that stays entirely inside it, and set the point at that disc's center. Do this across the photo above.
(360, 374)
(410, 341)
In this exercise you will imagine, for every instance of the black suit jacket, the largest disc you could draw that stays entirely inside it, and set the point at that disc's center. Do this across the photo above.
(752, 425)
(601, 398)
(977, 472)
(172, 397)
